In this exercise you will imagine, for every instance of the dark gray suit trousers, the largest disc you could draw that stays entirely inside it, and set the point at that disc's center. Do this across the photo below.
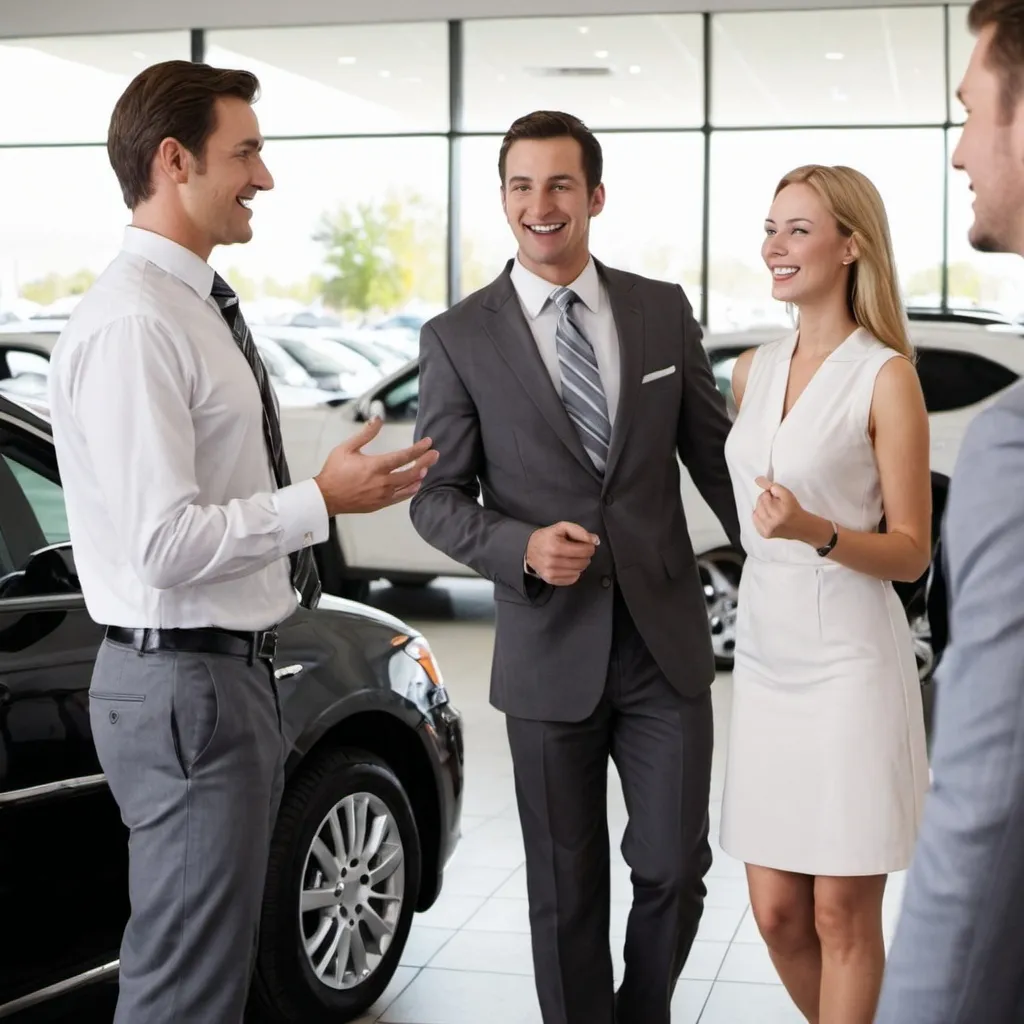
(192, 749)
(661, 743)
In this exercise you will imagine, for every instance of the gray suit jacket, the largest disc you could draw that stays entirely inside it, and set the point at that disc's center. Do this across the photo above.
(504, 436)
(958, 955)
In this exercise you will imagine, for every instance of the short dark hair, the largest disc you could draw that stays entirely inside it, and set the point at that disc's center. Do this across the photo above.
(174, 99)
(553, 124)
(1006, 51)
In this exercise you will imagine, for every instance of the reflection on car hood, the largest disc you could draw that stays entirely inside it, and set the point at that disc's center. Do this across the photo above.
(330, 603)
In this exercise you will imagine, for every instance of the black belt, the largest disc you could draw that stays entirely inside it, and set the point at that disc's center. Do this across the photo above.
(261, 644)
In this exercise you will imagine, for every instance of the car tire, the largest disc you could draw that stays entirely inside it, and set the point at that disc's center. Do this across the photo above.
(286, 986)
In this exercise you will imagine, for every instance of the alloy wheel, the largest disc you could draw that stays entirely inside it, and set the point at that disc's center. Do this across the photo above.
(353, 887)
(720, 576)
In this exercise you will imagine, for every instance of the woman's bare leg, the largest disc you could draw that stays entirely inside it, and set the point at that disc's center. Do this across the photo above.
(783, 905)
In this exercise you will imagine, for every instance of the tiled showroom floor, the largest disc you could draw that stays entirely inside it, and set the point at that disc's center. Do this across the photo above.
(468, 959)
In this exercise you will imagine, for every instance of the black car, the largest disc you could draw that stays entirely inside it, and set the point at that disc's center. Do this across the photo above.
(375, 766)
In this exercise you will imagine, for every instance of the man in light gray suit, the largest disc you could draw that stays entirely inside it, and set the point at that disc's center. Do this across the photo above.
(563, 393)
(957, 956)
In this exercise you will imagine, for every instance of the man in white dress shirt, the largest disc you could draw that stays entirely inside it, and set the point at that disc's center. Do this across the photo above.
(191, 541)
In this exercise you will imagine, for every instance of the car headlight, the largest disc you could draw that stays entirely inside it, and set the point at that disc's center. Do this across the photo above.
(419, 650)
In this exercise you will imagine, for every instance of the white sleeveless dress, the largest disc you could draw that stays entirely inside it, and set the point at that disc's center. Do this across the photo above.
(827, 767)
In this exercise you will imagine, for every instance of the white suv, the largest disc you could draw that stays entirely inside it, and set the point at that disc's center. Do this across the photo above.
(964, 360)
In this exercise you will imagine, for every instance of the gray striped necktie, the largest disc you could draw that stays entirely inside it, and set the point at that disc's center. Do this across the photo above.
(582, 391)
(305, 578)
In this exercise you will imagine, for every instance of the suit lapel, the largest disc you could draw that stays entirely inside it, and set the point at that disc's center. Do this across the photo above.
(629, 326)
(511, 334)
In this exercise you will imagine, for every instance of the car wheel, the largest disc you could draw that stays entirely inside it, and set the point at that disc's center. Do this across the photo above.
(720, 576)
(342, 884)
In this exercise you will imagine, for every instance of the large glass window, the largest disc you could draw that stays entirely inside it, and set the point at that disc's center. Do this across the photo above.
(343, 80)
(642, 71)
(905, 166)
(61, 221)
(961, 43)
(651, 223)
(882, 66)
(63, 89)
(977, 280)
(355, 226)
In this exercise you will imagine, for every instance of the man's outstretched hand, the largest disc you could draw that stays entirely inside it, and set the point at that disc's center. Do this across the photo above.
(353, 482)
(559, 554)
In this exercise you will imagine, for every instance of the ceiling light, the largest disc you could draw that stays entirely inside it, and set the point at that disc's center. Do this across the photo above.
(833, 55)
(634, 69)
(346, 60)
(138, 55)
(385, 74)
(584, 30)
(600, 54)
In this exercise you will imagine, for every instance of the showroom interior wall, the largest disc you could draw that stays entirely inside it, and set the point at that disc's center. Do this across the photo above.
(383, 140)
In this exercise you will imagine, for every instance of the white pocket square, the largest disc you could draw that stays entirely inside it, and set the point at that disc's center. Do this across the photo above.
(655, 374)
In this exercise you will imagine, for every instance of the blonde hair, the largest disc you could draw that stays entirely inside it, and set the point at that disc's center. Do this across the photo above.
(874, 292)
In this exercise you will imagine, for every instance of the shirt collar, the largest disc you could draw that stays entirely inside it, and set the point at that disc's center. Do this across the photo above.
(534, 291)
(171, 257)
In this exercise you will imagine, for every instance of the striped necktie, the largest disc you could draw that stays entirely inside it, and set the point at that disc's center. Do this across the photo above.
(304, 576)
(582, 391)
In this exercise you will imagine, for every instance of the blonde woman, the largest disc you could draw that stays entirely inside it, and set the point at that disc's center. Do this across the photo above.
(827, 766)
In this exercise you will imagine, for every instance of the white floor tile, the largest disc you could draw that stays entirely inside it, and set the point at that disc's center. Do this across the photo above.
(465, 997)
(473, 879)
(719, 924)
(689, 1001)
(494, 952)
(498, 915)
(450, 911)
(737, 1003)
(423, 944)
(748, 962)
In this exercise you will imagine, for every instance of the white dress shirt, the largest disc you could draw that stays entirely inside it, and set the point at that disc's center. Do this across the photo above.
(172, 506)
(593, 315)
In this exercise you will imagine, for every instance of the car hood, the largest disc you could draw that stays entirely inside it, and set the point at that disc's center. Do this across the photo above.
(330, 603)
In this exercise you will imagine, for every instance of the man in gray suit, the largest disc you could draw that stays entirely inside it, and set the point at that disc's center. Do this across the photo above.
(957, 954)
(563, 392)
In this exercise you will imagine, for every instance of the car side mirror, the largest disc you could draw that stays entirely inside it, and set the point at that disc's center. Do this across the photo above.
(48, 571)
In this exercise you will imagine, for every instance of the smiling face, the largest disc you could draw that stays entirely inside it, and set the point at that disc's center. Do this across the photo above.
(548, 206)
(804, 249)
(215, 192)
(991, 151)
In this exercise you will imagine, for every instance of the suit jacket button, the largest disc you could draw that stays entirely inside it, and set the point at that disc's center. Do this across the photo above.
(608, 499)
(606, 581)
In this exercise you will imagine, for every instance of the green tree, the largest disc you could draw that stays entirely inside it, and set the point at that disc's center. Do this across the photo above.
(383, 253)
(57, 286)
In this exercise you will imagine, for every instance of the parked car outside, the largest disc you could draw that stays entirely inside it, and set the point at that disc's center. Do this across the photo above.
(369, 818)
(332, 366)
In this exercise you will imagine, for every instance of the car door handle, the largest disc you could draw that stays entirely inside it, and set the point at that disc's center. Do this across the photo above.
(286, 671)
